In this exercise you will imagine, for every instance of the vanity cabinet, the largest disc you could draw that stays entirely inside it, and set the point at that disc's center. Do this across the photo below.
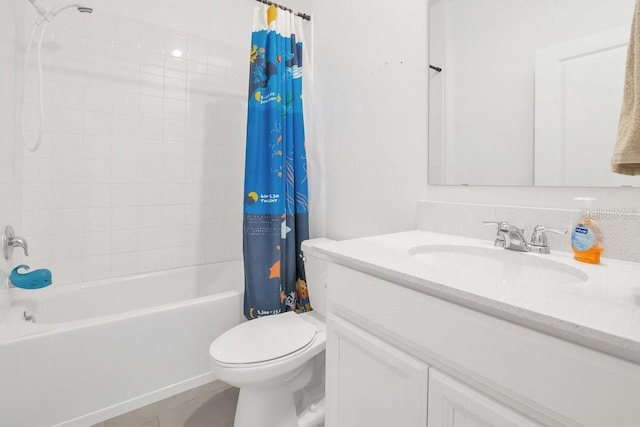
(453, 404)
(372, 383)
(396, 354)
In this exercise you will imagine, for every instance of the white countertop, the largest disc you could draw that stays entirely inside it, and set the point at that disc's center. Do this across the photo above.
(601, 312)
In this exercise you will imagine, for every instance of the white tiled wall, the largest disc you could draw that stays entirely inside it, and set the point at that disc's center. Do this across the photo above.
(141, 167)
(10, 195)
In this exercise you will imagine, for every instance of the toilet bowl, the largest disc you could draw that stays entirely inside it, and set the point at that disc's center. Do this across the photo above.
(271, 358)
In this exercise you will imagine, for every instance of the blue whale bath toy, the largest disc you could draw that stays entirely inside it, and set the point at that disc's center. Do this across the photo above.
(34, 280)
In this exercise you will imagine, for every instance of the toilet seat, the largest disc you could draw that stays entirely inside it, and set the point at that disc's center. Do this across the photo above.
(264, 339)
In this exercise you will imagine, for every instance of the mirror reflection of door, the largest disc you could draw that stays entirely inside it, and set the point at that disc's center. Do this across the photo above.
(484, 122)
(579, 88)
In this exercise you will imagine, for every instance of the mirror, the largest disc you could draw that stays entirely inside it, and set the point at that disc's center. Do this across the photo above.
(526, 92)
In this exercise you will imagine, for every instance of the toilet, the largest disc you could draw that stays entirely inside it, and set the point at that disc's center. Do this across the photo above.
(272, 369)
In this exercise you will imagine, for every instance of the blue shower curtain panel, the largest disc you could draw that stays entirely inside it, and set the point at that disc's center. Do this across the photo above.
(276, 190)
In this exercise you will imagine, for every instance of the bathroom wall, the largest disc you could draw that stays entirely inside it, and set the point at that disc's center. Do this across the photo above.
(371, 69)
(10, 194)
(141, 167)
(505, 150)
(376, 138)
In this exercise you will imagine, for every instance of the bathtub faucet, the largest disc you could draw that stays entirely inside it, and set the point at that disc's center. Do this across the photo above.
(10, 241)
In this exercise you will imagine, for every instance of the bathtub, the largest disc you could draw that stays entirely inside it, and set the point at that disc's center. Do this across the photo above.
(100, 349)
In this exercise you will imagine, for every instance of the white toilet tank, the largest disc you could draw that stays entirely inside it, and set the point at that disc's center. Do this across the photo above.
(315, 268)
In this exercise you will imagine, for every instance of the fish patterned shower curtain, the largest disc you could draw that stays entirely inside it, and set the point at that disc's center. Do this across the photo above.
(276, 189)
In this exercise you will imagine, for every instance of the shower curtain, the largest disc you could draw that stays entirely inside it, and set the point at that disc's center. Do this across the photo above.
(276, 188)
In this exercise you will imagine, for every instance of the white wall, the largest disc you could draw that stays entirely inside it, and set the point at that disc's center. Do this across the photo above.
(371, 75)
(141, 167)
(374, 179)
(10, 194)
(490, 79)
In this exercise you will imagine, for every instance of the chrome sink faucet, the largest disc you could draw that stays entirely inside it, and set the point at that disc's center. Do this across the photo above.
(513, 238)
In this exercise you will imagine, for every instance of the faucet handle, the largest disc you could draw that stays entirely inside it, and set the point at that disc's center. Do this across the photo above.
(502, 226)
(539, 236)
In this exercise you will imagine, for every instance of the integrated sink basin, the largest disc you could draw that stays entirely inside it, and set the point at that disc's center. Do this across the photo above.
(468, 265)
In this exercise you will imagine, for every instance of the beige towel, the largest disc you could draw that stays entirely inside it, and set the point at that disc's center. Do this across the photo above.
(626, 155)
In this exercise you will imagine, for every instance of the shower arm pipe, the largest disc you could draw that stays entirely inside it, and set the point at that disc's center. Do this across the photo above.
(301, 15)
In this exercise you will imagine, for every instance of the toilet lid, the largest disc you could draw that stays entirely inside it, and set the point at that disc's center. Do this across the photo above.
(263, 339)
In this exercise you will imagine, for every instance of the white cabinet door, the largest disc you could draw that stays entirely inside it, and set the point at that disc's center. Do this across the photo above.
(371, 383)
(453, 404)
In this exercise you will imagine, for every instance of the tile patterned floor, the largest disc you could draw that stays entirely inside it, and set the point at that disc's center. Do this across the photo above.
(211, 405)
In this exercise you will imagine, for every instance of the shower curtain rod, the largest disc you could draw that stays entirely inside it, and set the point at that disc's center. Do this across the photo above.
(301, 15)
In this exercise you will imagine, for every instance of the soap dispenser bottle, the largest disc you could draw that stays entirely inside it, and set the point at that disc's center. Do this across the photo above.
(586, 236)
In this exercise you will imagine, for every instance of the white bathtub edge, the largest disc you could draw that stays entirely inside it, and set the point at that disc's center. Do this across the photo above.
(138, 402)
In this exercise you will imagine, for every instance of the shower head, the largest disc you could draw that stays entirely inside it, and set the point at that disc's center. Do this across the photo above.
(51, 13)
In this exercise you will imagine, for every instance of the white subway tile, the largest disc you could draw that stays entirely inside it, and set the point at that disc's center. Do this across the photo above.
(96, 243)
(124, 241)
(97, 147)
(150, 129)
(124, 218)
(67, 145)
(173, 216)
(97, 171)
(66, 220)
(149, 194)
(101, 26)
(125, 80)
(149, 172)
(174, 131)
(36, 196)
(66, 196)
(124, 172)
(126, 57)
(149, 260)
(152, 39)
(124, 148)
(98, 123)
(172, 194)
(151, 106)
(151, 84)
(98, 99)
(125, 102)
(67, 95)
(96, 195)
(67, 171)
(176, 45)
(96, 267)
(152, 63)
(96, 219)
(127, 32)
(66, 246)
(66, 120)
(175, 110)
(124, 195)
(175, 88)
(150, 216)
(173, 173)
(125, 264)
(66, 270)
(36, 222)
(172, 257)
(149, 238)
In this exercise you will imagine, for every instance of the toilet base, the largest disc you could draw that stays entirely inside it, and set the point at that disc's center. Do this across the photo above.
(272, 406)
